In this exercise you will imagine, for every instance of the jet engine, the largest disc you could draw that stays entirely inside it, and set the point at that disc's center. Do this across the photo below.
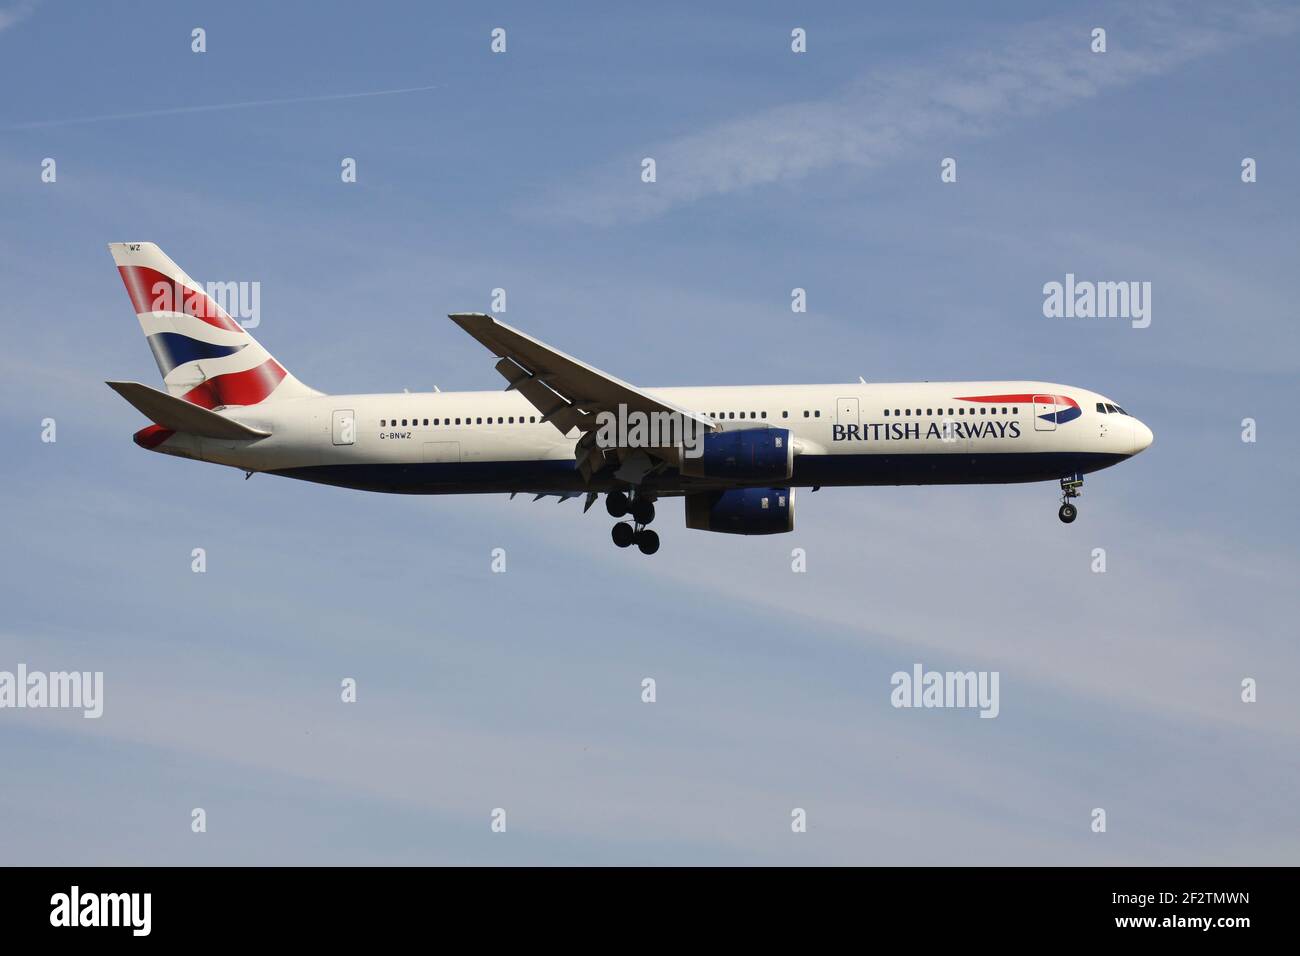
(742, 511)
(747, 454)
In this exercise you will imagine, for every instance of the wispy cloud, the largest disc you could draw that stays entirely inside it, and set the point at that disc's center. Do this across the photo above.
(16, 13)
(209, 108)
(889, 113)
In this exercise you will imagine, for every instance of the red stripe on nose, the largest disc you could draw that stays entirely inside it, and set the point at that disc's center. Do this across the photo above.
(995, 398)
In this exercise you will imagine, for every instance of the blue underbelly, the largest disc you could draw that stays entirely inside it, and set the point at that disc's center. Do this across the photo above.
(433, 478)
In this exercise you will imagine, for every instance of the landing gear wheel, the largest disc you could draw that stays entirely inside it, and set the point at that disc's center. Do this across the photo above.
(616, 504)
(647, 541)
(643, 511)
(1070, 486)
(623, 534)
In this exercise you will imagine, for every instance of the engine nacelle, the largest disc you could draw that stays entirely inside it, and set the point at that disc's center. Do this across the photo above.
(747, 454)
(742, 511)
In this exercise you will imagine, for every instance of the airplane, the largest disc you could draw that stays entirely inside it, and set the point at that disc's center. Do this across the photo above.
(563, 428)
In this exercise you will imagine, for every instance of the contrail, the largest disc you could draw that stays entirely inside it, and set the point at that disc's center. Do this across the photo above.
(176, 110)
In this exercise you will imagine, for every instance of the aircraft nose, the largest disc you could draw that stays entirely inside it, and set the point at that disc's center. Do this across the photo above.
(1142, 437)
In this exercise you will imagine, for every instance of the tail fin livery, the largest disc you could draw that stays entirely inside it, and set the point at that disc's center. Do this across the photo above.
(206, 358)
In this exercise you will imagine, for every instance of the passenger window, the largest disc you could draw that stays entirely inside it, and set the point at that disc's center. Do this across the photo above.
(1015, 409)
(403, 422)
(817, 414)
(382, 423)
(785, 414)
(886, 413)
(1004, 409)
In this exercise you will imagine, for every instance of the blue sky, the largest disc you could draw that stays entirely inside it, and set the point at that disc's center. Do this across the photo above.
(522, 690)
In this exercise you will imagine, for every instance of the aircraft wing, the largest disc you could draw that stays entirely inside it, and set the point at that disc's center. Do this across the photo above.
(569, 393)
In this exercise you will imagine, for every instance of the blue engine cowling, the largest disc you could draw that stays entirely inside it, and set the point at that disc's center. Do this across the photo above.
(742, 511)
(748, 454)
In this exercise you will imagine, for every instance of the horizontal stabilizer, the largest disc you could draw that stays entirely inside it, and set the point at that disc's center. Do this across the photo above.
(180, 415)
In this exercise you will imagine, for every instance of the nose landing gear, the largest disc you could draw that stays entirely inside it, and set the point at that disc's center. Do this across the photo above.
(1069, 489)
(627, 533)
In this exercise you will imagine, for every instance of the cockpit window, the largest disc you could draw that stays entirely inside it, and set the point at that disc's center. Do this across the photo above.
(1113, 409)
(1101, 407)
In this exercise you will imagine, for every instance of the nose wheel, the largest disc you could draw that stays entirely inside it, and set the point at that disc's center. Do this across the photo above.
(1069, 489)
(628, 533)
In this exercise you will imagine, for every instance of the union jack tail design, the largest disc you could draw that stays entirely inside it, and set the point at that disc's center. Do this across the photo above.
(205, 356)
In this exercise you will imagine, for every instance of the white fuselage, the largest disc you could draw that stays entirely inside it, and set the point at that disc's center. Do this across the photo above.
(856, 434)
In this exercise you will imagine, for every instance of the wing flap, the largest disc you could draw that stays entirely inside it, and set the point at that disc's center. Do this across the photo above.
(541, 396)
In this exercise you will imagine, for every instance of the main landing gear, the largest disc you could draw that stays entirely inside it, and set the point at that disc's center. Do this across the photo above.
(627, 533)
(1069, 489)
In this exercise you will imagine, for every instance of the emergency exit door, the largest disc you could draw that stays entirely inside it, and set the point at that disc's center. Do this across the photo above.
(1044, 413)
(344, 429)
(846, 412)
